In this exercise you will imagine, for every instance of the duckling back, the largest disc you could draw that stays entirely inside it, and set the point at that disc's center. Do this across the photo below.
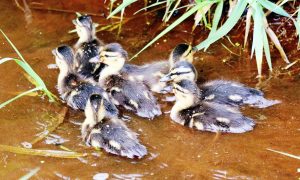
(114, 137)
(150, 74)
(77, 92)
(133, 95)
(190, 110)
(233, 93)
(213, 117)
(86, 52)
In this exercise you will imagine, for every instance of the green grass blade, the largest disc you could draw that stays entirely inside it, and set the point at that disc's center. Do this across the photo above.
(3, 60)
(226, 27)
(30, 174)
(174, 8)
(18, 96)
(273, 7)
(258, 35)
(267, 50)
(216, 19)
(13, 46)
(175, 23)
(150, 6)
(23, 63)
(248, 23)
(122, 6)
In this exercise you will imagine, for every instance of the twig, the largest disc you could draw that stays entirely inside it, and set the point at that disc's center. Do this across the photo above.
(286, 154)
(60, 119)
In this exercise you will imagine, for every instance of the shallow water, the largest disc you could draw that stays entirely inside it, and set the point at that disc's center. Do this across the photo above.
(175, 152)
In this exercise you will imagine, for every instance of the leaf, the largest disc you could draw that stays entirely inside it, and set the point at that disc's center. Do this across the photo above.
(267, 50)
(124, 4)
(3, 60)
(13, 46)
(18, 96)
(226, 27)
(175, 23)
(150, 6)
(23, 63)
(216, 19)
(201, 13)
(30, 174)
(273, 7)
(174, 8)
(277, 44)
(248, 23)
(40, 152)
(257, 44)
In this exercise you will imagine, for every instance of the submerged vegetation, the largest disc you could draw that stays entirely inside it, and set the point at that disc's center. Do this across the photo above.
(31, 75)
(210, 12)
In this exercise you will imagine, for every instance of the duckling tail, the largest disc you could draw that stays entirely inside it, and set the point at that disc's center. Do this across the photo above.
(236, 94)
(215, 117)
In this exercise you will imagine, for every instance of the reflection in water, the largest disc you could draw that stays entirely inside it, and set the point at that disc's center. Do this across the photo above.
(175, 152)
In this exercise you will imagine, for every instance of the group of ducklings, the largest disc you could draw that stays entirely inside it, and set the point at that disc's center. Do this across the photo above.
(96, 78)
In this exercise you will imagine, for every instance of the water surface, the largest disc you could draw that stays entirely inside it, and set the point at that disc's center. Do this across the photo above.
(175, 152)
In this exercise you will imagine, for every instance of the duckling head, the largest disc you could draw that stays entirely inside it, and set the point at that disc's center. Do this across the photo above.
(94, 113)
(187, 93)
(63, 57)
(84, 28)
(113, 56)
(182, 52)
(180, 71)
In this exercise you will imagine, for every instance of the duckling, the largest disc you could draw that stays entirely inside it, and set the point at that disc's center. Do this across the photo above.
(87, 47)
(74, 89)
(190, 110)
(182, 52)
(111, 134)
(151, 73)
(132, 95)
(220, 91)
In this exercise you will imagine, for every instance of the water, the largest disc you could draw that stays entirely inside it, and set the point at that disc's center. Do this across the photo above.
(175, 152)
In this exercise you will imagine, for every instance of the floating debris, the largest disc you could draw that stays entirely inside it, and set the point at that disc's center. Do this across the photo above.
(30, 174)
(41, 152)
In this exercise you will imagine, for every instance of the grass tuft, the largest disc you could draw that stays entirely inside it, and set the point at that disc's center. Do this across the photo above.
(202, 10)
(35, 78)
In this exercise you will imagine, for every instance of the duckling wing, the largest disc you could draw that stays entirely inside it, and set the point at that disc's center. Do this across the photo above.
(134, 96)
(214, 117)
(233, 93)
(150, 74)
(114, 137)
(85, 52)
(79, 97)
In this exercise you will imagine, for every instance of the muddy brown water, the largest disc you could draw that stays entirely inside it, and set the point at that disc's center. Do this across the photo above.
(175, 152)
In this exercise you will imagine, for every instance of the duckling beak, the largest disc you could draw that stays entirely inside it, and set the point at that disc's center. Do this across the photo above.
(74, 22)
(54, 52)
(166, 78)
(194, 50)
